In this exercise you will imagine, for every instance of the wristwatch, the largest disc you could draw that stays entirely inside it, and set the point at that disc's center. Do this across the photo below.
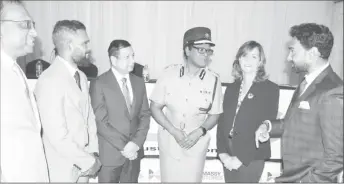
(204, 130)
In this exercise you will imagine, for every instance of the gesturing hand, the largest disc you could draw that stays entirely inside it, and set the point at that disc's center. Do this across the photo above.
(261, 134)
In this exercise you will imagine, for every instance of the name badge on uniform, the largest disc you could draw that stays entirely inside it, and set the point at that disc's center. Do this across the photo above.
(205, 102)
(205, 92)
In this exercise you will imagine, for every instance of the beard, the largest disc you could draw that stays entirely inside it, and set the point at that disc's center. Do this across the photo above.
(80, 58)
(299, 68)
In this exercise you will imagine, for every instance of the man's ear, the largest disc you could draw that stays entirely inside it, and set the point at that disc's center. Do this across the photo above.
(187, 51)
(113, 60)
(314, 52)
(70, 45)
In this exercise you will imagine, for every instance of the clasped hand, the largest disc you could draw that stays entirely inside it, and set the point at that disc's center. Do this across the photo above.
(187, 141)
(130, 150)
(92, 172)
(230, 162)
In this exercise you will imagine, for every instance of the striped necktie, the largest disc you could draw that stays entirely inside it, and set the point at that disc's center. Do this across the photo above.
(126, 93)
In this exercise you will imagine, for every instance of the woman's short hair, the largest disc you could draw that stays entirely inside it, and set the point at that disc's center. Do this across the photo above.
(243, 50)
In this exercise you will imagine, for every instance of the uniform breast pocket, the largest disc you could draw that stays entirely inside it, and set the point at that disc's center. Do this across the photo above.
(204, 102)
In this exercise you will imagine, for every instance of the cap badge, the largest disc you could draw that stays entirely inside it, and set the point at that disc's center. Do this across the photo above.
(206, 35)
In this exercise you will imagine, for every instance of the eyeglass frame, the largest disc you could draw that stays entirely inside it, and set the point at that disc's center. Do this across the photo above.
(30, 24)
(205, 50)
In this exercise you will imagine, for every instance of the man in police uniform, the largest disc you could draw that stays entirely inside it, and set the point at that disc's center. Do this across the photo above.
(192, 96)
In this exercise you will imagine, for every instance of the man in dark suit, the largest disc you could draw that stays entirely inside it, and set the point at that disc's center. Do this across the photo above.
(312, 129)
(122, 112)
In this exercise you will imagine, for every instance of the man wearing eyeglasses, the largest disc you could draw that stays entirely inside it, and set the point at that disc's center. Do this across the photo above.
(192, 96)
(22, 152)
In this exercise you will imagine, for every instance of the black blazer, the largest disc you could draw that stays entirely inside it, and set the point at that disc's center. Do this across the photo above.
(262, 106)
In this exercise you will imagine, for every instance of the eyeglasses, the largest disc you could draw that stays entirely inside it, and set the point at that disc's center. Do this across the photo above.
(24, 24)
(203, 50)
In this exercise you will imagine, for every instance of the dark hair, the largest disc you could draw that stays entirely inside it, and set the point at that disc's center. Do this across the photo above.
(243, 50)
(314, 35)
(65, 26)
(116, 45)
(3, 3)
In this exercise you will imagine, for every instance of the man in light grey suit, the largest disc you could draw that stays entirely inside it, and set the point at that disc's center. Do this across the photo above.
(22, 151)
(120, 104)
(69, 128)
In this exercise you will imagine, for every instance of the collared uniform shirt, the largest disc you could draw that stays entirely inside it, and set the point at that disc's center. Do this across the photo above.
(188, 99)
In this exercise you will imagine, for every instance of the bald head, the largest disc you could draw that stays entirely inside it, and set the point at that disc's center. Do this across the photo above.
(17, 29)
(6, 8)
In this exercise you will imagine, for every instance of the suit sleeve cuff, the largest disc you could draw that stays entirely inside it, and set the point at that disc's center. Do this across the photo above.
(137, 147)
(268, 124)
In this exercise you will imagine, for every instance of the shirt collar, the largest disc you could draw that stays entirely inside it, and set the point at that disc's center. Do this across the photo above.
(185, 72)
(311, 76)
(72, 69)
(118, 75)
(6, 60)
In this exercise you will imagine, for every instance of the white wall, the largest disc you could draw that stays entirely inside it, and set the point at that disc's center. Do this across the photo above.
(156, 28)
(336, 58)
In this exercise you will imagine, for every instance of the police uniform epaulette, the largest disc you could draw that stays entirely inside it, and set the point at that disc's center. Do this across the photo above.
(172, 66)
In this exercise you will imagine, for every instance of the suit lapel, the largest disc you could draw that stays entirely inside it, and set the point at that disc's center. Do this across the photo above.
(74, 93)
(134, 89)
(233, 101)
(113, 84)
(311, 88)
(252, 91)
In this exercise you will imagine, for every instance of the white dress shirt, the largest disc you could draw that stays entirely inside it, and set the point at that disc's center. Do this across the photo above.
(119, 78)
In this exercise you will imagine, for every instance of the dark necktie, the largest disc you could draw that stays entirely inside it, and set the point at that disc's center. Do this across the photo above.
(77, 79)
(126, 93)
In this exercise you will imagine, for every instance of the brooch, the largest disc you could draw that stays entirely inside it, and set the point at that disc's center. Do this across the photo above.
(250, 96)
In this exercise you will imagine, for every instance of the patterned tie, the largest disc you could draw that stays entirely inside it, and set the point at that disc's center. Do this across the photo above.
(77, 79)
(302, 86)
(126, 93)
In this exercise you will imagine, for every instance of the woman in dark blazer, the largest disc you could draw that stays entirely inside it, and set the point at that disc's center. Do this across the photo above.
(248, 101)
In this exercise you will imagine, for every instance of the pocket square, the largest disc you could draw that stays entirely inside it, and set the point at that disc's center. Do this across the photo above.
(304, 105)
